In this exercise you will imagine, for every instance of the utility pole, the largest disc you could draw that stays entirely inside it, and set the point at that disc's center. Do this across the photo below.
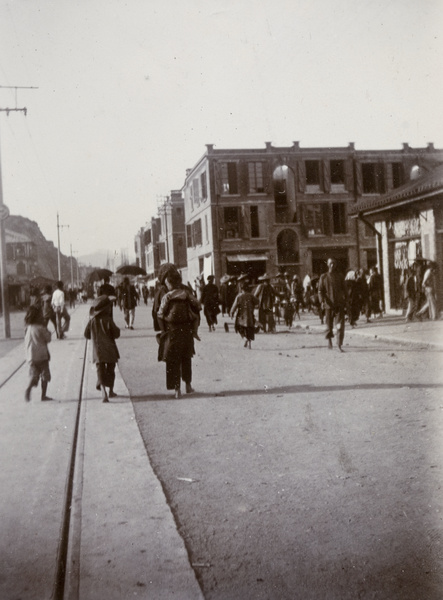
(4, 214)
(58, 246)
(72, 272)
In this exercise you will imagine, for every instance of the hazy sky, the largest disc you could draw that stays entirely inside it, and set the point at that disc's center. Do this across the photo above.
(131, 91)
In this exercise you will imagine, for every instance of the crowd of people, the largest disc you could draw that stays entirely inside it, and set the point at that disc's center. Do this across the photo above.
(336, 298)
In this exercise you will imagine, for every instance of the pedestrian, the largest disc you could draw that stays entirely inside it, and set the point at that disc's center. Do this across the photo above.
(375, 292)
(61, 312)
(412, 292)
(266, 295)
(103, 332)
(243, 312)
(288, 311)
(72, 295)
(129, 300)
(37, 338)
(363, 293)
(177, 317)
(211, 302)
(332, 293)
(106, 289)
(297, 295)
(160, 290)
(428, 286)
(354, 301)
(47, 309)
(145, 293)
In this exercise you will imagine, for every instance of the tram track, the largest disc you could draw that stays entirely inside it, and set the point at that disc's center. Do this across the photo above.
(67, 587)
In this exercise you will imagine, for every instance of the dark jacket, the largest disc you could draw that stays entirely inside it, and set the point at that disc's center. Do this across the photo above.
(103, 332)
(332, 290)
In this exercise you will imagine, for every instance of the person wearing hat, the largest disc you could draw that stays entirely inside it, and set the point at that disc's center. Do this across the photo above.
(243, 311)
(211, 302)
(103, 332)
(177, 317)
(266, 295)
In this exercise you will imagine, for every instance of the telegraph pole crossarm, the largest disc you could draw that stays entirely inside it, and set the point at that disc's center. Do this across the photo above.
(4, 213)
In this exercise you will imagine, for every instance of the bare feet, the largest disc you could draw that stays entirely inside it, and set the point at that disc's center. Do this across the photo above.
(178, 393)
(189, 388)
(112, 394)
(28, 394)
(46, 398)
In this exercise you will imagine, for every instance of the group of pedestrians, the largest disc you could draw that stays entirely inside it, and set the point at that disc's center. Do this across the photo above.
(177, 307)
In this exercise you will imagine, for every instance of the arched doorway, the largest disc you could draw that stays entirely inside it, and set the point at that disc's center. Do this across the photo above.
(283, 183)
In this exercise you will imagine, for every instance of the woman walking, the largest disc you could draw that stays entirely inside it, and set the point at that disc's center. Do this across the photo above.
(103, 332)
(244, 306)
(177, 318)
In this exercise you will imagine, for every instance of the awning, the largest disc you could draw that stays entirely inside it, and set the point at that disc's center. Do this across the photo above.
(245, 257)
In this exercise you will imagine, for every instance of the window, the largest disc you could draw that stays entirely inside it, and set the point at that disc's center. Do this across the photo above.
(312, 172)
(147, 237)
(196, 191)
(206, 229)
(255, 226)
(231, 216)
(339, 217)
(229, 178)
(204, 186)
(161, 251)
(9, 252)
(256, 177)
(189, 241)
(397, 174)
(197, 232)
(313, 219)
(21, 268)
(337, 172)
(373, 178)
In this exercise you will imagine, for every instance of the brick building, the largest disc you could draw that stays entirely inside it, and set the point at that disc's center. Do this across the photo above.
(287, 209)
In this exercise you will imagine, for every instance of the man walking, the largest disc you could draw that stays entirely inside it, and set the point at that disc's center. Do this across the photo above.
(61, 312)
(129, 300)
(332, 293)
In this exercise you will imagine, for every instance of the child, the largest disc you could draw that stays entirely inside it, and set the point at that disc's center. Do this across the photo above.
(103, 332)
(37, 338)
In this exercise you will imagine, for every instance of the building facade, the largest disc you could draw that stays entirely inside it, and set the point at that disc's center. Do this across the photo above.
(172, 246)
(287, 209)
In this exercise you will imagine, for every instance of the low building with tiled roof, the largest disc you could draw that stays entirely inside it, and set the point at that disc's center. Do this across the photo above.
(409, 226)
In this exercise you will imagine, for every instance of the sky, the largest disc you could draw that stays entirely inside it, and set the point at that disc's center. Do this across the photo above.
(130, 92)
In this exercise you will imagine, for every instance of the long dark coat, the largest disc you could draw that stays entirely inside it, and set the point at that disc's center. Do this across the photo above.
(103, 332)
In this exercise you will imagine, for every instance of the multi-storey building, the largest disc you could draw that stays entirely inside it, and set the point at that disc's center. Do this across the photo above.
(286, 209)
(171, 243)
(151, 233)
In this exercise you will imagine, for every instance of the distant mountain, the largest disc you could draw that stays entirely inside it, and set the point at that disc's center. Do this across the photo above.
(99, 258)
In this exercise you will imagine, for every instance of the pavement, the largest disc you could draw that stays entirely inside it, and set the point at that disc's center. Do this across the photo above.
(123, 540)
(117, 535)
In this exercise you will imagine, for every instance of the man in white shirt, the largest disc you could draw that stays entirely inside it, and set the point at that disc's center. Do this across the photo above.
(61, 312)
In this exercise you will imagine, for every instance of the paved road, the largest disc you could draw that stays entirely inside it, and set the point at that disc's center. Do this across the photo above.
(295, 472)
(292, 472)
